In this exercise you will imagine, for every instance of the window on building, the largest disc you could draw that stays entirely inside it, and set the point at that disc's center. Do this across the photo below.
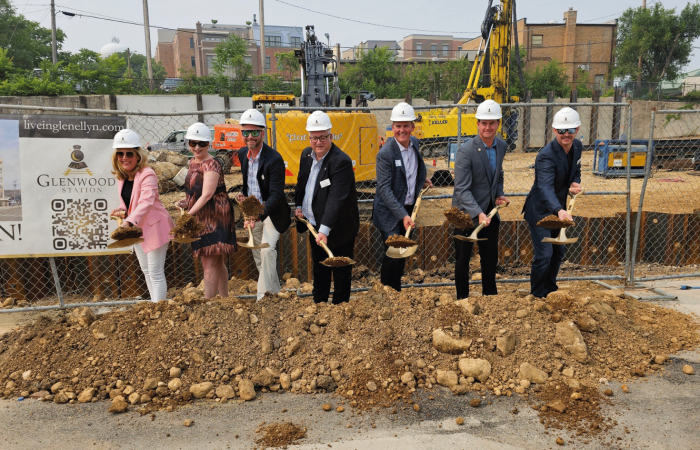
(210, 63)
(459, 49)
(295, 41)
(273, 41)
(536, 39)
(193, 65)
(419, 49)
(433, 49)
(445, 49)
(267, 63)
(248, 59)
(191, 42)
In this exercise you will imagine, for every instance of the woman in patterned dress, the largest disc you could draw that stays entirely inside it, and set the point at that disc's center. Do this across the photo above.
(208, 201)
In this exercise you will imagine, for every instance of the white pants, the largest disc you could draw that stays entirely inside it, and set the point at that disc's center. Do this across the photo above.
(266, 258)
(153, 267)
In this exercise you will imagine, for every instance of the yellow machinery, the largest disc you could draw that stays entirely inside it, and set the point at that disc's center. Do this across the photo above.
(435, 126)
(354, 132)
(262, 99)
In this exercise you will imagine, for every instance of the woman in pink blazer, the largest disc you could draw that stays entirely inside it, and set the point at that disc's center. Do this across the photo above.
(139, 205)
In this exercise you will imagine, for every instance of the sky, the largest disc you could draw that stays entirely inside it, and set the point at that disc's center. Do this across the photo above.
(354, 22)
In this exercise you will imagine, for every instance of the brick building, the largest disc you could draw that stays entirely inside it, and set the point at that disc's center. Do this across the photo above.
(367, 46)
(191, 51)
(425, 47)
(588, 47)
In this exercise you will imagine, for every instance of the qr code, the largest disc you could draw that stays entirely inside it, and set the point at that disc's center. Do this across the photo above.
(79, 224)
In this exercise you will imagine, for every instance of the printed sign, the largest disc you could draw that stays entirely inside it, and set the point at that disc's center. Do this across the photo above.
(56, 184)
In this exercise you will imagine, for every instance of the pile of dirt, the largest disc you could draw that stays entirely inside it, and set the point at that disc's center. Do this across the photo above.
(251, 207)
(458, 218)
(553, 222)
(337, 261)
(279, 434)
(126, 233)
(399, 241)
(186, 226)
(377, 349)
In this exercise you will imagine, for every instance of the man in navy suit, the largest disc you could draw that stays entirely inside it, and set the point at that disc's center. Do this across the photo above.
(557, 172)
(401, 174)
(325, 194)
(263, 177)
(478, 189)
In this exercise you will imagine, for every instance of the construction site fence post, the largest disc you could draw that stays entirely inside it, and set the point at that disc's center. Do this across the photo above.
(647, 173)
(628, 216)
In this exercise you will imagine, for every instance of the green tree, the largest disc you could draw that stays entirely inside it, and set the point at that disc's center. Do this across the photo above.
(27, 43)
(551, 77)
(288, 65)
(50, 82)
(230, 63)
(7, 67)
(374, 71)
(662, 38)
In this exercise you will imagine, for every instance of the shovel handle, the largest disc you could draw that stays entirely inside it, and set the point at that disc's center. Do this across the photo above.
(415, 210)
(572, 201)
(492, 213)
(313, 231)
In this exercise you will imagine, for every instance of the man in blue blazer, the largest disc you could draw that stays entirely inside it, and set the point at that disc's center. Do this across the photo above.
(401, 174)
(557, 172)
(478, 189)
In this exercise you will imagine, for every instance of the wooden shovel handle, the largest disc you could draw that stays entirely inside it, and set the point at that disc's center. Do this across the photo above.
(415, 210)
(313, 232)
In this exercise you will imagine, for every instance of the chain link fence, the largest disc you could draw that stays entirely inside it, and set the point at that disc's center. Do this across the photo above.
(614, 170)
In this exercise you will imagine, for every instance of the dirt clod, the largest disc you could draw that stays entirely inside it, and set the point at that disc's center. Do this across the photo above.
(688, 369)
(560, 441)
(126, 233)
(337, 261)
(460, 420)
(553, 222)
(186, 226)
(475, 402)
(399, 241)
(458, 218)
(251, 207)
(280, 434)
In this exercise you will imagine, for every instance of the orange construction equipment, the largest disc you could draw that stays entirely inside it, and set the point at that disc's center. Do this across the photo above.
(228, 138)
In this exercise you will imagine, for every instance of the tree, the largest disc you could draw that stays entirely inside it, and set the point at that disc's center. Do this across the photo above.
(27, 43)
(374, 71)
(288, 65)
(230, 63)
(551, 77)
(662, 38)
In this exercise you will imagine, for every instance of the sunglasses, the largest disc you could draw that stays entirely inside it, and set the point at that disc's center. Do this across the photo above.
(566, 130)
(319, 138)
(202, 144)
(125, 154)
(254, 133)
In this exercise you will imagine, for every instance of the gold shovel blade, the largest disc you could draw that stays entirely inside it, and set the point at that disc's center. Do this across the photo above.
(125, 243)
(468, 238)
(350, 263)
(559, 242)
(398, 253)
(254, 247)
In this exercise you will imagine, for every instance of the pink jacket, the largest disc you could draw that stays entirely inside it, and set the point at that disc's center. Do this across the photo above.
(146, 211)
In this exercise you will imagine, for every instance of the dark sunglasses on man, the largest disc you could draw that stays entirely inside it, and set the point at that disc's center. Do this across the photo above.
(254, 133)
(125, 154)
(566, 130)
(202, 144)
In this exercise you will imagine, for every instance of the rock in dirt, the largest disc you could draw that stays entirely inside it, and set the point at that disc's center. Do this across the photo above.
(225, 391)
(175, 372)
(570, 338)
(118, 406)
(187, 423)
(460, 420)
(532, 374)
(150, 383)
(459, 389)
(475, 402)
(447, 378)
(326, 407)
(202, 389)
(371, 386)
(506, 344)
(608, 392)
(557, 405)
(83, 316)
(688, 369)
(246, 390)
(86, 395)
(587, 324)
(61, 397)
(479, 369)
(407, 377)
(559, 300)
(134, 398)
(326, 382)
(264, 378)
(472, 306)
(560, 441)
(175, 384)
(285, 381)
(56, 387)
(447, 344)
(9, 301)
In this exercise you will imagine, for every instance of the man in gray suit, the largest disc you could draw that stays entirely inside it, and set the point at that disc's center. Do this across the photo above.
(401, 173)
(478, 188)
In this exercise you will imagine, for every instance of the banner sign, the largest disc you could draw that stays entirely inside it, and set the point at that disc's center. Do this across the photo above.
(56, 184)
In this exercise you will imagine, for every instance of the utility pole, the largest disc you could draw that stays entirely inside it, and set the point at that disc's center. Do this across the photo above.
(639, 65)
(262, 37)
(54, 52)
(128, 62)
(147, 27)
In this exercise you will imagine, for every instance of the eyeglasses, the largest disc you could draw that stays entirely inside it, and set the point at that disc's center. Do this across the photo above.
(202, 144)
(319, 138)
(125, 154)
(254, 133)
(566, 130)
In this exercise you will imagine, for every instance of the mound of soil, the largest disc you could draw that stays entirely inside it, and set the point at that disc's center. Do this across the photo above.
(186, 226)
(458, 218)
(398, 241)
(553, 222)
(251, 207)
(126, 233)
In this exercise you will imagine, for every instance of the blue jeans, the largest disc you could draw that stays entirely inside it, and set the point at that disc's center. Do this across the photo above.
(545, 265)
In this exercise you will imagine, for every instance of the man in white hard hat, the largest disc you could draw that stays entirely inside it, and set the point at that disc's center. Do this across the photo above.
(478, 189)
(557, 172)
(262, 169)
(325, 195)
(401, 174)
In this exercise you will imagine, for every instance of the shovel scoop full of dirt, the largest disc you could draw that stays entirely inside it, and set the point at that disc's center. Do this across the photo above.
(126, 233)
(337, 261)
(553, 222)
(458, 218)
(186, 226)
(251, 207)
(398, 241)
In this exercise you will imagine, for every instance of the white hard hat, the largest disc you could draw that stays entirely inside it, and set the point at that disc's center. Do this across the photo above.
(488, 110)
(318, 121)
(403, 112)
(127, 138)
(198, 132)
(252, 117)
(566, 118)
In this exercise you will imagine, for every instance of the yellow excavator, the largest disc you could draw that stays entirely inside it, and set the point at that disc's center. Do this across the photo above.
(435, 127)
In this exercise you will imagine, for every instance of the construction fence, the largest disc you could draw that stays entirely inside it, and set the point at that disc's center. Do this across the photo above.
(636, 221)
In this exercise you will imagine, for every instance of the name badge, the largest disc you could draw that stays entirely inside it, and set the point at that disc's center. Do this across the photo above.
(579, 162)
(398, 163)
(262, 176)
(325, 183)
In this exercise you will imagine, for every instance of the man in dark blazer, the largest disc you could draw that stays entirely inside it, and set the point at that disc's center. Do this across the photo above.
(262, 169)
(325, 195)
(401, 174)
(478, 189)
(557, 172)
